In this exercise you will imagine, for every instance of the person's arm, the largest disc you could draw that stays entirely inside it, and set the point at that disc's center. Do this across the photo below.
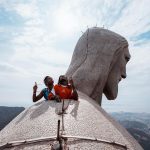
(56, 97)
(74, 94)
(35, 97)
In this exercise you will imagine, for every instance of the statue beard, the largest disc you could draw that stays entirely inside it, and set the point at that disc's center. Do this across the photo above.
(111, 90)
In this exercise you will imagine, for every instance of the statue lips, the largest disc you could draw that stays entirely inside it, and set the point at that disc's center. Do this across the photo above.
(120, 79)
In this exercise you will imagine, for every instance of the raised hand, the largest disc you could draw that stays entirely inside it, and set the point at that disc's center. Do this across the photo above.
(35, 87)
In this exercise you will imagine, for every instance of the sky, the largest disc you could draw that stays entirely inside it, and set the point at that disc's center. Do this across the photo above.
(37, 38)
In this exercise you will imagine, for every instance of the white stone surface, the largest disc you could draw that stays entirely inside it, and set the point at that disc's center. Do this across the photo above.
(84, 118)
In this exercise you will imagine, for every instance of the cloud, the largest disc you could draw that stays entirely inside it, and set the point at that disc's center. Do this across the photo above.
(7, 69)
(71, 17)
(144, 37)
(39, 38)
(28, 10)
(134, 19)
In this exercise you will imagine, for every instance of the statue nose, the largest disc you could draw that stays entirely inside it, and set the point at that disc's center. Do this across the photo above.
(123, 76)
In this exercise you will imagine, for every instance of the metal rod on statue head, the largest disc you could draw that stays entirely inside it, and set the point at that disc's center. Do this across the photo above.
(58, 129)
(63, 106)
(58, 136)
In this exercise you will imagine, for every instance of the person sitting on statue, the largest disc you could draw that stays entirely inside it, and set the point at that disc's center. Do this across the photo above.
(48, 93)
(65, 89)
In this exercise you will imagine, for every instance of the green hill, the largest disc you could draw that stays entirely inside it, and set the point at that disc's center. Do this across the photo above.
(7, 114)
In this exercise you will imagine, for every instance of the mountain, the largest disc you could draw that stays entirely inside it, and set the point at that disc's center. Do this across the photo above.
(7, 114)
(137, 124)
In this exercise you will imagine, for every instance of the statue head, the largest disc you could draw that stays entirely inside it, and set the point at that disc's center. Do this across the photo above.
(99, 63)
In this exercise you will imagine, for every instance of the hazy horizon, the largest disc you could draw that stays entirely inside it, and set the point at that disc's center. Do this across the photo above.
(107, 106)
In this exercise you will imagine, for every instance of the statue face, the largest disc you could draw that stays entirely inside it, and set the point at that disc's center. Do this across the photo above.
(117, 72)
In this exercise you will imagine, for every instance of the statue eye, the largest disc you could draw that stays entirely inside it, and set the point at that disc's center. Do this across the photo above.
(127, 58)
